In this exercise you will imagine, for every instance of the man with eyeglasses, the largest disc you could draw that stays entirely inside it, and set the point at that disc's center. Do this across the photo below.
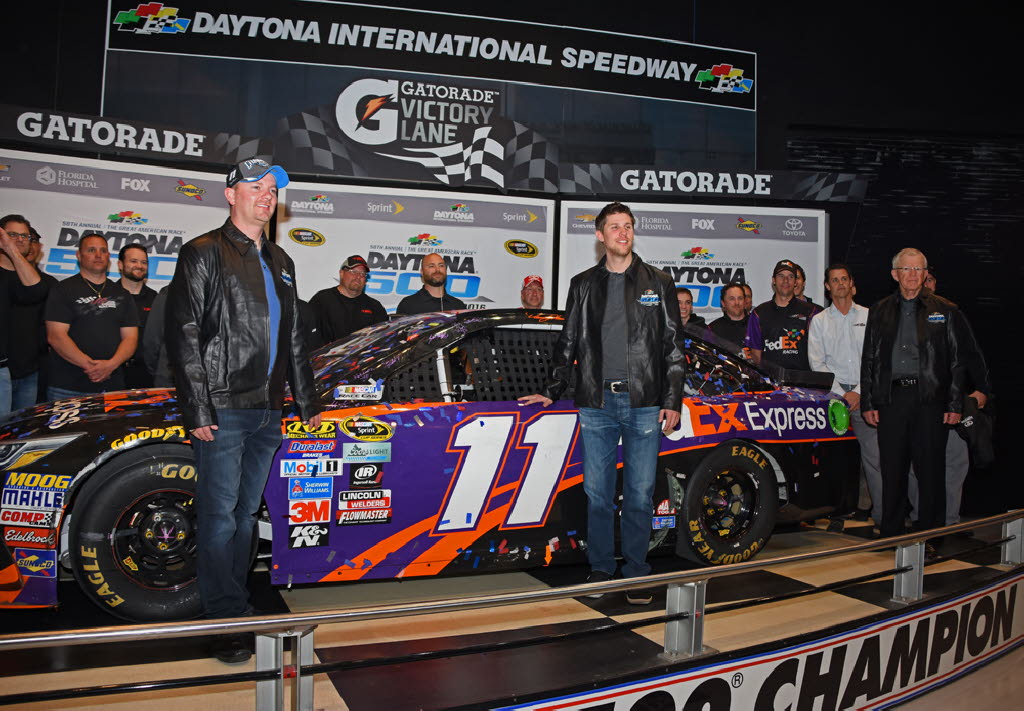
(19, 284)
(912, 379)
(346, 308)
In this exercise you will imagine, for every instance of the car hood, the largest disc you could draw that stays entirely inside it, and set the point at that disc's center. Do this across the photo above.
(121, 412)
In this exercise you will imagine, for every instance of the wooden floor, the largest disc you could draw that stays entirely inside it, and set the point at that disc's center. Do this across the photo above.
(422, 685)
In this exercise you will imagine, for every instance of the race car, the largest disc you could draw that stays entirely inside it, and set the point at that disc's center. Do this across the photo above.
(424, 464)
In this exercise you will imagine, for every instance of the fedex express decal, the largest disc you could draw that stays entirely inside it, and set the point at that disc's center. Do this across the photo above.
(781, 418)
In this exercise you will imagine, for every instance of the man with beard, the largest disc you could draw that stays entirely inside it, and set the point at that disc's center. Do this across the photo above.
(432, 296)
(133, 263)
(621, 321)
(92, 326)
(19, 284)
(344, 309)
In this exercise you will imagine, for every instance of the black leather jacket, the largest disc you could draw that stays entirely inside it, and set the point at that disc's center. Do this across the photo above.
(654, 362)
(944, 342)
(217, 332)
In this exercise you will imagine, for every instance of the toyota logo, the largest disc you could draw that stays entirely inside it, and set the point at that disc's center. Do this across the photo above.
(794, 224)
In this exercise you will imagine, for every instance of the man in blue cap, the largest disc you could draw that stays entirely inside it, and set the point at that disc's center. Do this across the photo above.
(233, 334)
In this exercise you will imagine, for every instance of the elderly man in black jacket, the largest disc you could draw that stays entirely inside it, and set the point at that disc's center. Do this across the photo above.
(233, 334)
(912, 375)
(621, 322)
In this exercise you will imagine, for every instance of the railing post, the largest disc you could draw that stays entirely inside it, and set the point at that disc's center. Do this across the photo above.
(1013, 550)
(302, 655)
(685, 637)
(908, 586)
(269, 651)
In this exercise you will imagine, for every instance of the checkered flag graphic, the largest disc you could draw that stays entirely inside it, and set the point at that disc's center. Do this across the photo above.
(834, 187)
(533, 159)
(456, 163)
(232, 148)
(312, 140)
(591, 178)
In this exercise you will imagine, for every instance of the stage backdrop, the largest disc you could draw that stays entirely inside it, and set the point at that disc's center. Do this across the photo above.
(489, 243)
(704, 247)
(65, 198)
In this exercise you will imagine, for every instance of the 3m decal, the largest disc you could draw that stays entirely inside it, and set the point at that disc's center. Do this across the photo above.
(310, 511)
(484, 441)
(366, 429)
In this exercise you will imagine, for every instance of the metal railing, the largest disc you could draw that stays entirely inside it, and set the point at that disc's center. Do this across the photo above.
(684, 628)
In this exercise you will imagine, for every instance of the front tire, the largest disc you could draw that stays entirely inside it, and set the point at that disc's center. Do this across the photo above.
(729, 506)
(132, 535)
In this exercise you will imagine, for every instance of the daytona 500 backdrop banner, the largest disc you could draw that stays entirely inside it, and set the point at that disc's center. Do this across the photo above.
(489, 243)
(704, 247)
(65, 198)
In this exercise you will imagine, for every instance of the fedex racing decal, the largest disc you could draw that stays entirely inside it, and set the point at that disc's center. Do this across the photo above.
(764, 419)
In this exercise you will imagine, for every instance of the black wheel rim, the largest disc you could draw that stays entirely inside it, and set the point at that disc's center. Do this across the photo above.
(729, 504)
(153, 541)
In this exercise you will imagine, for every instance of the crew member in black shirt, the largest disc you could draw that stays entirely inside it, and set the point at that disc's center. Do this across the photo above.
(133, 263)
(19, 284)
(777, 329)
(731, 327)
(344, 309)
(432, 297)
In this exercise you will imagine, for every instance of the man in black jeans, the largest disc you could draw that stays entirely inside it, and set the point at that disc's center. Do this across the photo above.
(912, 374)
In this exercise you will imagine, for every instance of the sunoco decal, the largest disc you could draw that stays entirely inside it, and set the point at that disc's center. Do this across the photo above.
(366, 429)
(873, 666)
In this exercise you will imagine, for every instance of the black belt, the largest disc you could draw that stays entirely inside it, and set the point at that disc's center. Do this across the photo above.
(904, 382)
(617, 386)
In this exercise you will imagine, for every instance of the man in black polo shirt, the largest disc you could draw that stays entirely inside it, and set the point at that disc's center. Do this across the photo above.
(344, 309)
(92, 326)
(133, 263)
(432, 296)
(777, 329)
(731, 327)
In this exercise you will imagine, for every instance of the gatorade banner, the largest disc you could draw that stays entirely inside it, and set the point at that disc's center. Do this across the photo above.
(489, 243)
(65, 198)
(704, 247)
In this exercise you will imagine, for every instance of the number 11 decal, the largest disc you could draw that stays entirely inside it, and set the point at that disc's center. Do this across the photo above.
(485, 441)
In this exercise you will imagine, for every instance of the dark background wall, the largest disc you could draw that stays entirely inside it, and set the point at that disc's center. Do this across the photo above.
(922, 100)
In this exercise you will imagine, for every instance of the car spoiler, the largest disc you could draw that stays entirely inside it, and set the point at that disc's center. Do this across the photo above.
(806, 379)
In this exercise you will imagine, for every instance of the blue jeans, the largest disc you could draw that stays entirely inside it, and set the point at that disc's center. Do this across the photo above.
(24, 391)
(5, 390)
(232, 471)
(641, 439)
(53, 394)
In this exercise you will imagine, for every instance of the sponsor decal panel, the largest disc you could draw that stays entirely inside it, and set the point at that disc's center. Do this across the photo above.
(309, 511)
(298, 430)
(357, 507)
(521, 248)
(356, 391)
(307, 237)
(659, 522)
(24, 537)
(311, 448)
(702, 418)
(27, 517)
(310, 488)
(360, 453)
(309, 535)
(321, 467)
(366, 429)
(365, 476)
(36, 563)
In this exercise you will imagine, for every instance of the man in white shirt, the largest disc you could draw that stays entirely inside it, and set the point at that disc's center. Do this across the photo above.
(834, 345)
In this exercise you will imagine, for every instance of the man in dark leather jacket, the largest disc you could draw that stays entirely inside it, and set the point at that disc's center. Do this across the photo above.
(233, 335)
(912, 375)
(619, 335)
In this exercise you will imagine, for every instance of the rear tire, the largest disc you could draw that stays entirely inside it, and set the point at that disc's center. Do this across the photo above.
(132, 535)
(729, 506)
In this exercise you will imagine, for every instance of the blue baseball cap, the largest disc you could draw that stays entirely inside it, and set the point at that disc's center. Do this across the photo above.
(252, 169)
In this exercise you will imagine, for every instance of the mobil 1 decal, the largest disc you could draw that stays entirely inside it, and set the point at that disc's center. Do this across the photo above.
(359, 507)
(867, 667)
(323, 466)
(365, 476)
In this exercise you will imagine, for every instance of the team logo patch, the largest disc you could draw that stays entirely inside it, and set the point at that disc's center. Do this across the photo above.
(936, 317)
(649, 298)
(287, 278)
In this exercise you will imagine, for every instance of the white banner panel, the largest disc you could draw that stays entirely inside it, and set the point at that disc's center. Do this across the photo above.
(704, 247)
(127, 203)
(488, 242)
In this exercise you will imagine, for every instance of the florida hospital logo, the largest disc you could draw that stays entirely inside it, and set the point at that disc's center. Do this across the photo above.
(151, 18)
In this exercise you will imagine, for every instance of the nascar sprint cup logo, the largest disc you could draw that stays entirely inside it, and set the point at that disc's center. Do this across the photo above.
(443, 127)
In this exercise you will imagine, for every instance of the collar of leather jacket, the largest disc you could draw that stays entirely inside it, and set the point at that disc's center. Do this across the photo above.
(630, 270)
(236, 237)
